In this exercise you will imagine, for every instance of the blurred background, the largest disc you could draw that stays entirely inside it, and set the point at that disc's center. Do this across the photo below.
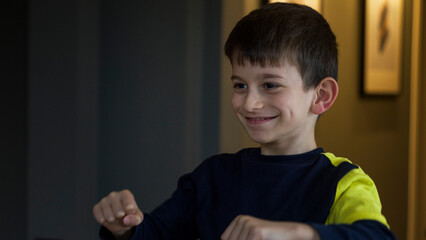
(98, 96)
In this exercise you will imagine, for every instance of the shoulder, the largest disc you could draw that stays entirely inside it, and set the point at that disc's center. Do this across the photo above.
(338, 161)
(351, 174)
(354, 174)
(335, 168)
(356, 195)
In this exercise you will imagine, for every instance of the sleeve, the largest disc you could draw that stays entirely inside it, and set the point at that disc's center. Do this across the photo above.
(359, 230)
(174, 219)
(356, 211)
(104, 234)
(356, 199)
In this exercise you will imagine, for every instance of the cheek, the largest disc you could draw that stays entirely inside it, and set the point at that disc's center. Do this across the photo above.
(280, 102)
(286, 105)
(236, 101)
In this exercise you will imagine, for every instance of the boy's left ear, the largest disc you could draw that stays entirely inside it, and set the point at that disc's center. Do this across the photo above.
(325, 95)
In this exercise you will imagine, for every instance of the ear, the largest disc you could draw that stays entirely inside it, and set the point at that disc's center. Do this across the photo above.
(325, 95)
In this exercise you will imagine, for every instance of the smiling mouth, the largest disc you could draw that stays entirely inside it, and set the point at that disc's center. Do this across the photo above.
(258, 120)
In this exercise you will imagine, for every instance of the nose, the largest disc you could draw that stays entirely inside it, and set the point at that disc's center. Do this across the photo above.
(253, 101)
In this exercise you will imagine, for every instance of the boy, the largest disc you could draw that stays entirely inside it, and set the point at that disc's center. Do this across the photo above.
(284, 62)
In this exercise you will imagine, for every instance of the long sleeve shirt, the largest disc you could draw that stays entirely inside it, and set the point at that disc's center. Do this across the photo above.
(330, 193)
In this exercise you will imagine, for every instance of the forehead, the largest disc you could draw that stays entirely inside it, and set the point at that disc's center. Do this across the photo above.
(284, 70)
(240, 59)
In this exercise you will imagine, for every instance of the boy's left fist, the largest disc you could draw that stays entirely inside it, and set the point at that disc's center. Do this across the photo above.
(245, 227)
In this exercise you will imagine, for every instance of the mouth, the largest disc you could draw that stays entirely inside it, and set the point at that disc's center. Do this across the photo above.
(258, 120)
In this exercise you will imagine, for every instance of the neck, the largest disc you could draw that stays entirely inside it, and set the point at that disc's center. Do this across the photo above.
(277, 150)
(290, 146)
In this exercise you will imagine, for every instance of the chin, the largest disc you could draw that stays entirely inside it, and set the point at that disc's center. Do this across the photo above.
(260, 139)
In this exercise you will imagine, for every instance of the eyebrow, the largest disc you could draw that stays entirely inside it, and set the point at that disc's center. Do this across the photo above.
(235, 77)
(265, 75)
(269, 75)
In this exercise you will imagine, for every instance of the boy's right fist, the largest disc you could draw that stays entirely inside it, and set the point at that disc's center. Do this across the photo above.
(119, 213)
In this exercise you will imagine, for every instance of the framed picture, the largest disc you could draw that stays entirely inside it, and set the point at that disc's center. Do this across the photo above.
(315, 4)
(382, 47)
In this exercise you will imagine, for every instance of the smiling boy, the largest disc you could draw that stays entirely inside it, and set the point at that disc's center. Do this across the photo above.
(276, 110)
(284, 76)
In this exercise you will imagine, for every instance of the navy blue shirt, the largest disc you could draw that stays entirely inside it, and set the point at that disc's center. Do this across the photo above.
(299, 188)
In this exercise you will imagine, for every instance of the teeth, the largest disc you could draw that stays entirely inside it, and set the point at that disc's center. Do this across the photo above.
(259, 119)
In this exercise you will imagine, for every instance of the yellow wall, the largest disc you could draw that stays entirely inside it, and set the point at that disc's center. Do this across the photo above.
(421, 171)
(232, 136)
(422, 145)
(371, 131)
(422, 141)
(416, 222)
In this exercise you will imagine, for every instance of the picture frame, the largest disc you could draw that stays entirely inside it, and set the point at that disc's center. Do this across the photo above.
(315, 4)
(382, 47)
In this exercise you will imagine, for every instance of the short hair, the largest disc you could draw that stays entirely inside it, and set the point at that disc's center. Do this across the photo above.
(280, 32)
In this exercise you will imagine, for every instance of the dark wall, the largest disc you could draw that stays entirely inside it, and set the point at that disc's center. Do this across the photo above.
(159, 81)
(13, 129)
(99, 96)
(62, 118)
(142, 97)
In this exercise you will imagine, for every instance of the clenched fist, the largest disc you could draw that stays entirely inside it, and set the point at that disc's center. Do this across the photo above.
(119, 213)
(245, 227)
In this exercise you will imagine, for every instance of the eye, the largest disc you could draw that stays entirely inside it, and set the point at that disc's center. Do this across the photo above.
(270, 85)
(239, 86)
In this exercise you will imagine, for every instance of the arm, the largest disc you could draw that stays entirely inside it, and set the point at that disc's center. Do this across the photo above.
(364, 229)
(356, 212)
(355, 215)
(251, 228)
(174, 219)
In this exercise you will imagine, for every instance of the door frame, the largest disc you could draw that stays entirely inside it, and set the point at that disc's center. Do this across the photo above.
(415, 218)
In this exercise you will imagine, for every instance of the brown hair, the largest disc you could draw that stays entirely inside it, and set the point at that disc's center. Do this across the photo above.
(283, 31)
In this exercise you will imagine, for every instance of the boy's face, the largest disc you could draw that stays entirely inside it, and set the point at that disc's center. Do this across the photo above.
(274, 108)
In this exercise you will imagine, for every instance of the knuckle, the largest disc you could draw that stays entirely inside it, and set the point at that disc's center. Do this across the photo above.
(109, 216)
(104, 201)
(126, 193)
(112, 194)
(242, 219)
